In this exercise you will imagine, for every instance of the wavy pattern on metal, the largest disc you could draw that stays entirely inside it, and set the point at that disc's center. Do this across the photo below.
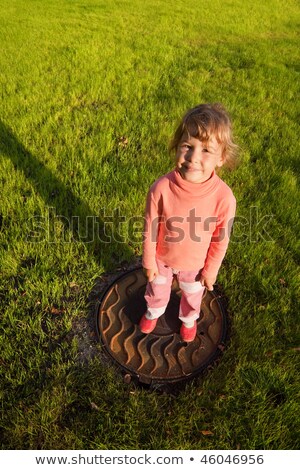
(161, 356)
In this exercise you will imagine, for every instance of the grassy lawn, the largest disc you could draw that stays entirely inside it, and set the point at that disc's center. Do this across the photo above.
(91, 92)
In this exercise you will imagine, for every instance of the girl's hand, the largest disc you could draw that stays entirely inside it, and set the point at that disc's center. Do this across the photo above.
(208, 282)
(151, 274)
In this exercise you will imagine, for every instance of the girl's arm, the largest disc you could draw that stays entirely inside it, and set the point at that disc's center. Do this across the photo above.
(218, 245)
(151, 227)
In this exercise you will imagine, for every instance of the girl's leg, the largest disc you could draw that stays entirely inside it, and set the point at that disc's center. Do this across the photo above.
(191, 297)
(158, 292)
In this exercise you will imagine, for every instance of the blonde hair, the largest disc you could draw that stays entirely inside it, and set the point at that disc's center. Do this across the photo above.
(204, 121)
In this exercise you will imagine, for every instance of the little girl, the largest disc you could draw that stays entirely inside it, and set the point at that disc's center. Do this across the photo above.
(189, 215)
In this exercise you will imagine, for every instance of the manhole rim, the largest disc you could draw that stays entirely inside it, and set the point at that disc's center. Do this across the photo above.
(142, 379)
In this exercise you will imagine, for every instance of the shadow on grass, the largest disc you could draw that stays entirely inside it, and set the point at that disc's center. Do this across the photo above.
(79, 222)
(102, 246)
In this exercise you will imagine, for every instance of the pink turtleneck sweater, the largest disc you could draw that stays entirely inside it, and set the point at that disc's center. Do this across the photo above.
(187, 225)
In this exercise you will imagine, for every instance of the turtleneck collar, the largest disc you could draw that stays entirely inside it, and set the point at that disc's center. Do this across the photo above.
(196, 189)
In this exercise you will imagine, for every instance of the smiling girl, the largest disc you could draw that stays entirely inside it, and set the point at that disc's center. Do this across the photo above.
(189, 215)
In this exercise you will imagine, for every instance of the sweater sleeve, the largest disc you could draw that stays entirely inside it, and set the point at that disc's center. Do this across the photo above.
(220, 239)
(150, 234)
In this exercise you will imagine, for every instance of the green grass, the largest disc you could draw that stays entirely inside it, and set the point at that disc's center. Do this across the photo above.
(77, 77)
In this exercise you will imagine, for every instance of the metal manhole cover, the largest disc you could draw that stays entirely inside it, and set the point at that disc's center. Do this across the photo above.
(161, 356)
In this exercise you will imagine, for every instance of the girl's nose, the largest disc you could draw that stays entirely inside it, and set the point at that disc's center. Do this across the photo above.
(193, 156)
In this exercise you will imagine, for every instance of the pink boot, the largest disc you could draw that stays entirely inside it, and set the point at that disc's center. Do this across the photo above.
(146, 325)
(188, 334)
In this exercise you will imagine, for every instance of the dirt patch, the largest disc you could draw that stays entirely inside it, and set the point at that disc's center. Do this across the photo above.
(84, 329)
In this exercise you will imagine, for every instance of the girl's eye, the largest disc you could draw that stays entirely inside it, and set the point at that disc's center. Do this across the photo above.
(205, 150)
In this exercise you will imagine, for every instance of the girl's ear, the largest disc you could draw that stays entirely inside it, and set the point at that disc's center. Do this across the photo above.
(222, 160)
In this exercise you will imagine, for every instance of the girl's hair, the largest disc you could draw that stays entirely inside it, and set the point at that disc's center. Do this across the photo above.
(204, 121)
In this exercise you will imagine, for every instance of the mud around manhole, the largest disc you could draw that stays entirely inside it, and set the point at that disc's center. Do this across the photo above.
(159, 357)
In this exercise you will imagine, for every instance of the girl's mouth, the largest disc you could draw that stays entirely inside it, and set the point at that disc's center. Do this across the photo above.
(190, 168)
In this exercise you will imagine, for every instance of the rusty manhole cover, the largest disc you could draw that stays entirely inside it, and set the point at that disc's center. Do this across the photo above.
(161, 356)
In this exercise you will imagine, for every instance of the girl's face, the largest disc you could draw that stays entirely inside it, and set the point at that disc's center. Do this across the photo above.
(197, 160)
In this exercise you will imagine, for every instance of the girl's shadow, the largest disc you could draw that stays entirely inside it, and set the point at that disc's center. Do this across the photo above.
(63, 205)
